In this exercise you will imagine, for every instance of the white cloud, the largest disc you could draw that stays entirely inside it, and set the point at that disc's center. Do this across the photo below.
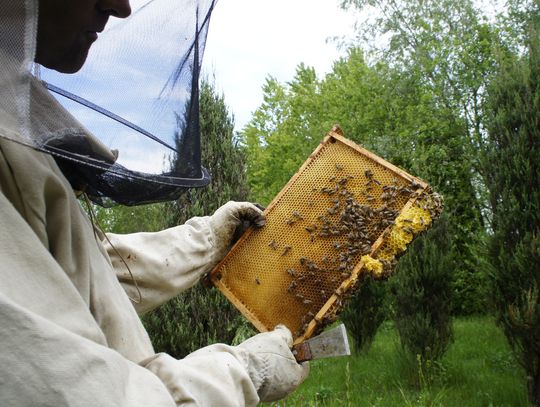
(252, 39)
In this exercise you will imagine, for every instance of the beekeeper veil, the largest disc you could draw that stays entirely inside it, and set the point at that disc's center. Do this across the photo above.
(125, 127)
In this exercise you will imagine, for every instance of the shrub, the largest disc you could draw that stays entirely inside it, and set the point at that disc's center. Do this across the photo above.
(422, 294)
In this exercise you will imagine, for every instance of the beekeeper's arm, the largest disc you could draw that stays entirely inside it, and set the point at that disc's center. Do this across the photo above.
(55, 353)
(168, 262)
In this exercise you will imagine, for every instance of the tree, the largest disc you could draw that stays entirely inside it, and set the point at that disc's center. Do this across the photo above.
(282, 133)
(445, 50)
(202, 316)
(513, 165)
(423, 302)
(365, 312)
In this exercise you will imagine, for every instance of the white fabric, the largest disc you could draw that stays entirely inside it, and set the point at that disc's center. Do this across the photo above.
(70, 335)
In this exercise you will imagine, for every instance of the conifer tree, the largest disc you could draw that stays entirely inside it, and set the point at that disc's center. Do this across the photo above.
(423, 302)
(513, 165)
(202, 316)
(365, 312)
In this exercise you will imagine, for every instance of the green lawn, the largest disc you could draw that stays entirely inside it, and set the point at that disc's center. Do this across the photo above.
(477, 370)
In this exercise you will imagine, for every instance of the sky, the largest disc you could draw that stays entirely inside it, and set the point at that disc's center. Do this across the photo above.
(249, 40)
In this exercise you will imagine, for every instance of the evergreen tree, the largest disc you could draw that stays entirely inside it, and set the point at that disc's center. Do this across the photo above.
(513, 165)
(202, 316)
(365, 312)
(423, 302)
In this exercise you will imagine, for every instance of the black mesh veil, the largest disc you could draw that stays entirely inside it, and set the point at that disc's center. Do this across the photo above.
(137, 96)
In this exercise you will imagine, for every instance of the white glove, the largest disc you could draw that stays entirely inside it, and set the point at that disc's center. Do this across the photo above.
(230, 221)
(271, 364)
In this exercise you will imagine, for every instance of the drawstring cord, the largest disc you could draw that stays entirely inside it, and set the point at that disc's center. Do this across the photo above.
(96, 227)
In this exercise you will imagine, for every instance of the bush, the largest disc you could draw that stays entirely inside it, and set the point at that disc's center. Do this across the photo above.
(422, 295)
(365, 312)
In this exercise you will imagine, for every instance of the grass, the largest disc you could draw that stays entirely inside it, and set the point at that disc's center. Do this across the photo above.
(478, 370)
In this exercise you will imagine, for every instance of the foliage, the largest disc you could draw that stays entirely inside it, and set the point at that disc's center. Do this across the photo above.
(201, 316)
(280, 135)
(422, 293)
(449, 49)
(132, 219)
(514, 182)
(365, 312)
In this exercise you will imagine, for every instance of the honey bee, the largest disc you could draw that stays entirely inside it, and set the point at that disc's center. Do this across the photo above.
(297, 215)
(339, 167)
(291, 287)
(306, 301)
(258, 281)
(408, 229)
(415, 185)
(273, 244)
(291, 272)
(286, 250)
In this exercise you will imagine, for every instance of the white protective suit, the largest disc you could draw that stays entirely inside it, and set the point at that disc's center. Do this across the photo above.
(69, 334)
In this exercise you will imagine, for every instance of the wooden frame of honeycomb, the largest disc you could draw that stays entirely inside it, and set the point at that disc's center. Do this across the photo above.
(345, 212)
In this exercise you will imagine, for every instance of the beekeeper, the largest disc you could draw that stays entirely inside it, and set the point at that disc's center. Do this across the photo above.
(70, 336)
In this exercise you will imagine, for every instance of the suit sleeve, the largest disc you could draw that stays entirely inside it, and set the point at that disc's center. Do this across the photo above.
(54, 352)
(163, 264)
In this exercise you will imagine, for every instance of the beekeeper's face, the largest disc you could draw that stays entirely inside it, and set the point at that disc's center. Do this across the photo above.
(67, 29)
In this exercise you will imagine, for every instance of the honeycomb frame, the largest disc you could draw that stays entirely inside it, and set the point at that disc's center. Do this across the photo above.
(300, 268)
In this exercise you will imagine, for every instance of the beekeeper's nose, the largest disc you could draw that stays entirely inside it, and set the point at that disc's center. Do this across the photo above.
(116, 8)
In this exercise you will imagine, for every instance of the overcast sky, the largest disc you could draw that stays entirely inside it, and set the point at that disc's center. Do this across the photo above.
(252, 39)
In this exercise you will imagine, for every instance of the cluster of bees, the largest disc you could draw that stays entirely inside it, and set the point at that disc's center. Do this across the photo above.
(351, 227)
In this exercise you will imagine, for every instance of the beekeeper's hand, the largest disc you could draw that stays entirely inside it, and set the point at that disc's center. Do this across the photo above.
(271, 364)
(230, 221)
